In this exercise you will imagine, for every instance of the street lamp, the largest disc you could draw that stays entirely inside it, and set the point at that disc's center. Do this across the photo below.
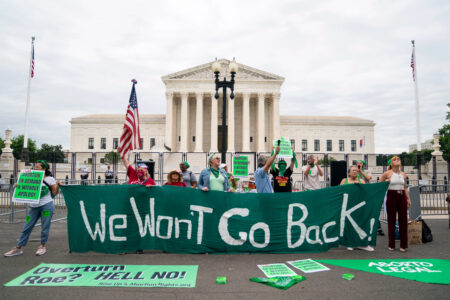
(224, 84)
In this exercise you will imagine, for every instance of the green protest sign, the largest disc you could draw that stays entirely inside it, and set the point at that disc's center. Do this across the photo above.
(122, 218)
(108, 276)
(308, 266)
(240, 166)
(285, 148)
(28, 188)
(423, 270)
(276, 270)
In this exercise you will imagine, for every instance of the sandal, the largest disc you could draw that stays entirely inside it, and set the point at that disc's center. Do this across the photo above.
(391, 249)
(402, 250)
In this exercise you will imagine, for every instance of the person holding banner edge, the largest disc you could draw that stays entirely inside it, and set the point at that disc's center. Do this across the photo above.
(43, 209)
(213, 178)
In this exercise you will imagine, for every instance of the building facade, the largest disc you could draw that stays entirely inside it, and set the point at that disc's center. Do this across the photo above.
(193, 119)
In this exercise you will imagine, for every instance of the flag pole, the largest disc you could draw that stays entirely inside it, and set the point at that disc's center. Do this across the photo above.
(27, 109)
(416, 96)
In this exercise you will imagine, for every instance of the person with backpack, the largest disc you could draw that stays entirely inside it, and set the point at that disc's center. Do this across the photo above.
(188, 177)
(43, 210)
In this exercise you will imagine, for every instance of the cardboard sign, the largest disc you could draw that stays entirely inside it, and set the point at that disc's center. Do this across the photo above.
(29, 187)
(240, 166)
(285, 148)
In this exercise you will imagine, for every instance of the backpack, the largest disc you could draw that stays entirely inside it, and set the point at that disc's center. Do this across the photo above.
(427, 236)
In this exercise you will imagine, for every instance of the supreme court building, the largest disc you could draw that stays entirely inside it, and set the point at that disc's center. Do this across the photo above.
(193, 119)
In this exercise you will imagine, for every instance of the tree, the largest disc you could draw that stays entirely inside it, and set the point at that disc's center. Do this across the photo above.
(326, 162)
(17, 146)
(112, 157)
(2, 145)
(50, 153)
(444, 141)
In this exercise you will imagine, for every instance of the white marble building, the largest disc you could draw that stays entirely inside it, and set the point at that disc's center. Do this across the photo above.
(193, 119)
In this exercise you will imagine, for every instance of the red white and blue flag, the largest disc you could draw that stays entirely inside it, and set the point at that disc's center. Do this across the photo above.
(32, 62)
(131, 137)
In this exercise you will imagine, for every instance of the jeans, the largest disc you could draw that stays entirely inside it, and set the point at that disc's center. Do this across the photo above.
(45, 212)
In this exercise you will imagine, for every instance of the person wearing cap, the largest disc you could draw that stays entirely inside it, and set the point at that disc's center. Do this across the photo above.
(138, 176)
(213, 178)
(175, 178)
(397, 202)
(188, 177)
(282, 182)
(233, 181)
(43, 210)
(262, 180)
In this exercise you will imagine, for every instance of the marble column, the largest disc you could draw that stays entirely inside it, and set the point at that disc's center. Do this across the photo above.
(213, 124)
(199, 123)
(230, 130)
(261, 125)
(276, 117)
(246, 122)
(184, 123)
(169, 121)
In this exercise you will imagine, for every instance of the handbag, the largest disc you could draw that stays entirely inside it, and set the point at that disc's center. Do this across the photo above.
(427, 236)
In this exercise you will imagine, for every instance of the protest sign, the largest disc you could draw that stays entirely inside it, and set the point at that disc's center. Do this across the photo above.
(240, 166)
(276, 270)
(29, 186)
(285, 148)
(108, 276)
(308, 266)
(121, 218)
(423, 270)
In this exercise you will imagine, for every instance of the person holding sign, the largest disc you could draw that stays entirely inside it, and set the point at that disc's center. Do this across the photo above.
(43, 209)
(312, 171)
(282, 182)
(262, 180)
(397, 202)
(213, 178)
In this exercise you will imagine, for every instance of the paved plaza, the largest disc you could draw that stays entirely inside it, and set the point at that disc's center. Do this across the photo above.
(238, 268)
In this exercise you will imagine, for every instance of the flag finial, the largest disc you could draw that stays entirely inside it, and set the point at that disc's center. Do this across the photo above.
(134, 81)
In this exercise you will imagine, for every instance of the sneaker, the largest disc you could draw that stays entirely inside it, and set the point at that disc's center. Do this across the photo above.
(41, 251)
(13, 252)
(139, 251)
(350, 249)
(368, 248)
(380, 232)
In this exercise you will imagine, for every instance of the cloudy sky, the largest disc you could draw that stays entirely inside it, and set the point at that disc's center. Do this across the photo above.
(338, 57)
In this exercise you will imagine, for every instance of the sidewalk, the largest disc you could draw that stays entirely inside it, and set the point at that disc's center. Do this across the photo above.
(238, 268)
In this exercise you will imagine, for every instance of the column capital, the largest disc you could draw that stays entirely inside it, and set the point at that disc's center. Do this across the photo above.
(276, 96)
(184, 95)
(169, 94)
(261, 96)
(246, 96)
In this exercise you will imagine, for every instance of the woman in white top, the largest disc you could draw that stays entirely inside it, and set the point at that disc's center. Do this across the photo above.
(42, 210)
(397, 202)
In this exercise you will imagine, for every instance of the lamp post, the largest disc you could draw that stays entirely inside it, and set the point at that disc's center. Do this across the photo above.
(224, 84)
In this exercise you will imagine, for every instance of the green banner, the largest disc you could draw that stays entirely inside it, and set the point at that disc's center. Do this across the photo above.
(423, 270)
(28, 188)
(108, 276)
(240, 166)
(285, 148)
(122, 218)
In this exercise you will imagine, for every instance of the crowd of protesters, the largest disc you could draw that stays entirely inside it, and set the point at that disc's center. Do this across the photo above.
(217, 178)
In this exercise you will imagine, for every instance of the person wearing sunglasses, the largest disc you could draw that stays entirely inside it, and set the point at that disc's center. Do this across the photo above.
(213, 178)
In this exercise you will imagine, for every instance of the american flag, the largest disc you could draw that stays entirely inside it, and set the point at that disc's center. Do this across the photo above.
(131, 137)
(32, 62)
(412, 66)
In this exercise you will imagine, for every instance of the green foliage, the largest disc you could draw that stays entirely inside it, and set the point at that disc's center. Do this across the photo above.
(50, 153)
(112, 157)
(17, 146)
(2, 145)
(326, 161)
(408, 159)
(444, 141)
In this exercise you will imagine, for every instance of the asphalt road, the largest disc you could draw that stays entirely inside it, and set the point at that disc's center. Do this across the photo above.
(238, 268)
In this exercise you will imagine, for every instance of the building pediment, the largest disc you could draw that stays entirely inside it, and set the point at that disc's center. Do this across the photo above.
(204, 72)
